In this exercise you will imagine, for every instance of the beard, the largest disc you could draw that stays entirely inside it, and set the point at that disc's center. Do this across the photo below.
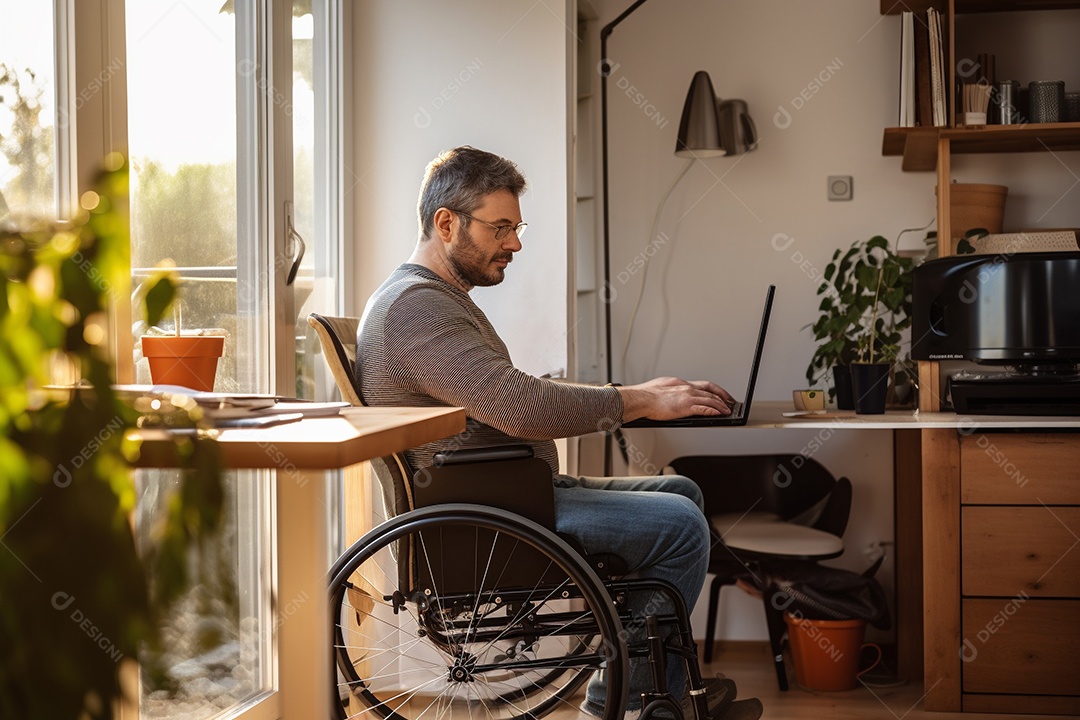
(472, 265)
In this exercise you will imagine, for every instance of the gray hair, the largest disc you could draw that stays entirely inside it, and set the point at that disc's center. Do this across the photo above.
(460, 179)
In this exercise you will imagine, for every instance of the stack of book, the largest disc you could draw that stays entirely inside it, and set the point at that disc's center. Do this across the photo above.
(923, 73)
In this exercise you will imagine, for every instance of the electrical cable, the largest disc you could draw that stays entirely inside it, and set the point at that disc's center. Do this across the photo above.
(645, 271)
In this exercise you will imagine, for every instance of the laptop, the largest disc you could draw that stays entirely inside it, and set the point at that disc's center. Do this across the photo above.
(740, 413)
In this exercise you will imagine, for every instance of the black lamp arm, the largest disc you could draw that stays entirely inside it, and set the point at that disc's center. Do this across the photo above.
(605, 72)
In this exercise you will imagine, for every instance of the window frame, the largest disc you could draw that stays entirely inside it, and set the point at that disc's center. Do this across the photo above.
(90, 46)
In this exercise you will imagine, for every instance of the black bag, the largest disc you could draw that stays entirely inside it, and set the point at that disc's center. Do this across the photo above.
(824, 593)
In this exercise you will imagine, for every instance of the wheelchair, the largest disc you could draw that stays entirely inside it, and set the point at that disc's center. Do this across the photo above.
(465, 603)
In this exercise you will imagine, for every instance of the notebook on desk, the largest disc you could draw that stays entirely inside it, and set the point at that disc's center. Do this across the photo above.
(740, 413)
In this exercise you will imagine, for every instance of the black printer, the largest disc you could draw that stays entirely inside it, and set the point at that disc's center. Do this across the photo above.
(1016, 314)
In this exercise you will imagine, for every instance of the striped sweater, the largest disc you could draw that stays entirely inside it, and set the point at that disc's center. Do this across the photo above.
(423, 342)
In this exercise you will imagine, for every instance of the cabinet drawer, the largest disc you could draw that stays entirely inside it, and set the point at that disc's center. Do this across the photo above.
(1020, 469)
(1021, 646)
(1006, 551)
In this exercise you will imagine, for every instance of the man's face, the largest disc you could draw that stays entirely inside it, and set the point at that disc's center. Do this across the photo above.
(477, 258)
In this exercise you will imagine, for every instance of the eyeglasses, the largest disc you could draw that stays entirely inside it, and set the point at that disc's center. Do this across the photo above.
(500, 230)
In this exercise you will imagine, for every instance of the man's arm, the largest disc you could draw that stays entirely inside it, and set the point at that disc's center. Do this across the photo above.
(436, 348)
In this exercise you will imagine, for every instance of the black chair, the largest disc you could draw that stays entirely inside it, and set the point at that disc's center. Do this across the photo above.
(473, 604)
(766, 511)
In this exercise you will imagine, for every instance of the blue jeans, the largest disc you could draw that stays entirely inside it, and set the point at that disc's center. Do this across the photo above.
(656, 526)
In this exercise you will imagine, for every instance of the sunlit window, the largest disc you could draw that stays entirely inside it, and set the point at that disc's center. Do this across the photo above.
(27, 110)
(189, 64)
(182, 71)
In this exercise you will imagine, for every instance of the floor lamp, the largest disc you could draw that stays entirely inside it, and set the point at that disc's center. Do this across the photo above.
(706, 129)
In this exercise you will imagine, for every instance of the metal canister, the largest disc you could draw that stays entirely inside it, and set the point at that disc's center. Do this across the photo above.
(1004, 103)
(1047, 100)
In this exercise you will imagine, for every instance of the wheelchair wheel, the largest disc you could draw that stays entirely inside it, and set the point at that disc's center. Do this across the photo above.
(472, 611)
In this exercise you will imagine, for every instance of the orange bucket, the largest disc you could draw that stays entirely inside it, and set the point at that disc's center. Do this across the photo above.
(186, 360)
(826, 652)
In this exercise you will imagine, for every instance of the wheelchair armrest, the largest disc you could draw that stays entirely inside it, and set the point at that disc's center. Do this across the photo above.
(479, 455)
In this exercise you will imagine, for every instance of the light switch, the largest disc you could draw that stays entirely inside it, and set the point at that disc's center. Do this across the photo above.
(839, 187)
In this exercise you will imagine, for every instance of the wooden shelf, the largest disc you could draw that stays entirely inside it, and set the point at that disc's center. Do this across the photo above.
(918, 146)
(895, 7)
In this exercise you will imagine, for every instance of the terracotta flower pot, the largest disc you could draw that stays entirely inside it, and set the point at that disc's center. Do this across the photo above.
(826, 652)
(188, 360)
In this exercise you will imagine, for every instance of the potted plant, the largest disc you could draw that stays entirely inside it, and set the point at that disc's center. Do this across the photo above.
(78, 601)
(865, 307)
(188, 359)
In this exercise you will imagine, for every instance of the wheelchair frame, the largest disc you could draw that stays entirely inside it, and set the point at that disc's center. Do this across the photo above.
(476, 634)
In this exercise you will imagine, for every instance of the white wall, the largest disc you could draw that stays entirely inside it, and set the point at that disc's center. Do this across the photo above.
(432, 76)
(821, 83)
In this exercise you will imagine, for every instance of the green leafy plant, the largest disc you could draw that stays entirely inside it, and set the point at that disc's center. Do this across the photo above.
(77, 599)
(865, 307)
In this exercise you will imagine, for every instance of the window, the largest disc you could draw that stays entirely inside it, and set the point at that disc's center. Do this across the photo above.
(192, 138)
(27, 110)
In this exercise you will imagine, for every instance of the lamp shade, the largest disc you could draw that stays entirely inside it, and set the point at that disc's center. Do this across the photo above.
(699, 129)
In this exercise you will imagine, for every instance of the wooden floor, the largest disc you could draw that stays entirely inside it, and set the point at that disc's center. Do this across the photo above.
(750, 666)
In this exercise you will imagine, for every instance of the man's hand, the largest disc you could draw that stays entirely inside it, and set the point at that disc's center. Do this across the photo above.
(668, 398)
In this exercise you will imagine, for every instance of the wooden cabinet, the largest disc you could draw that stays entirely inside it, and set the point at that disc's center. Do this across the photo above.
(1001, 553)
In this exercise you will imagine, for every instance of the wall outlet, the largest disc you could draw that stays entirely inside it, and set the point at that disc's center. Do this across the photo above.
(839, 187)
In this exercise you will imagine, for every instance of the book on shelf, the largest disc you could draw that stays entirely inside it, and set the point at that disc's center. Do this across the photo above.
(907, 69)
(938, 71)
(924, 106)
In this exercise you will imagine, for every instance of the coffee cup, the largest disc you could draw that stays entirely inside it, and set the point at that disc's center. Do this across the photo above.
(808, 400)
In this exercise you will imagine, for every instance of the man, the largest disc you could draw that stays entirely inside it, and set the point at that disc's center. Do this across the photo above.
(422, 342)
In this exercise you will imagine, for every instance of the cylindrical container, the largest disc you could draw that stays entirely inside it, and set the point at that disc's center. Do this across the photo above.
(1004, 103)
(1072, 107)
(187, 360)
(1047, 100)
(826, 652)
(870, 386)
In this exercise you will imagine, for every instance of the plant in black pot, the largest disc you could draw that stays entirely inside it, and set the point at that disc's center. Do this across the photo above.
(865, 307)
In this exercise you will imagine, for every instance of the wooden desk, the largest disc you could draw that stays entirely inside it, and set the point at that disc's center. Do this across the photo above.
(986, 507)
(301, 452)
